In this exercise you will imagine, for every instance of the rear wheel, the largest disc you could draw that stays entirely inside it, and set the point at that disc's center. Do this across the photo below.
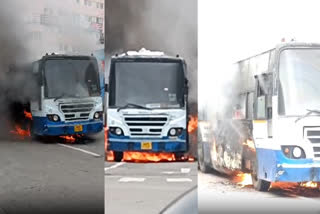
(118, 156)
(259, 184)
(201, 160)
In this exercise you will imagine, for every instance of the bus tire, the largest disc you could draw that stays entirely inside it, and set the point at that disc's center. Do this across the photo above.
(201, 159)
(118, 156)
(259, 184)
(179, 156)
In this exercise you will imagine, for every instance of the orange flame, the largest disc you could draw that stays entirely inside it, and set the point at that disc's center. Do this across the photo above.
(193, 124)
(109, 154)
(309, 184)
(283, 185)
(191, 159)
(250, 144)
(69, 139)
(27, 115)
(243, 179)
(147, 157)
(21, 132)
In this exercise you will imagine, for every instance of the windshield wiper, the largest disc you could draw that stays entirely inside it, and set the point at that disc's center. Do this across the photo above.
(132, 105)
(307, 114)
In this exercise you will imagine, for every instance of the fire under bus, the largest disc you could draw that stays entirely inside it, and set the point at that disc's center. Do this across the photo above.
(147, 104)
(69, 99)
(271, 126)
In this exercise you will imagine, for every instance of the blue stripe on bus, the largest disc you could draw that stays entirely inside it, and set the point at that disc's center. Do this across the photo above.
(273, 166)
(43, 126)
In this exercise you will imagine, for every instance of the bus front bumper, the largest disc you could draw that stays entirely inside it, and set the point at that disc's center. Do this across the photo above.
(153, 145)
(44, 128)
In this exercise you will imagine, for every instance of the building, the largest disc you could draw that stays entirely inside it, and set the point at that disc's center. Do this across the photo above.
(69, 26)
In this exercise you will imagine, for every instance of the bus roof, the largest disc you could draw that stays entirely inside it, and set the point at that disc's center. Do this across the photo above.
(145, 54)
(61, 56)
(285, 45)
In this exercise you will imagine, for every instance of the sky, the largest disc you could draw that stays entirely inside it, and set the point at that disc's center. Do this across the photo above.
(231, 30)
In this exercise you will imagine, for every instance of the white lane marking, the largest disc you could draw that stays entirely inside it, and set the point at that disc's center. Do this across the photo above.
(179, 180)
(185, 170)
(113, 166)
(169, 172)
(129, 179)
(182, 170)
(81, 150)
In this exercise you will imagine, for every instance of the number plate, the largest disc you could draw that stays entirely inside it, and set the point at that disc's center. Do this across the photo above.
(78, 128)
(146, 145)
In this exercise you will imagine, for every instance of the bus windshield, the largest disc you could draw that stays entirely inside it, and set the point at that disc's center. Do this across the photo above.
(149, 84)
(71, 77)
(299, 75)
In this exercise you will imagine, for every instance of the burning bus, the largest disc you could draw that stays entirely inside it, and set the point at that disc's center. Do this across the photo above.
(271, 125)
(68, 98)
(147, 104)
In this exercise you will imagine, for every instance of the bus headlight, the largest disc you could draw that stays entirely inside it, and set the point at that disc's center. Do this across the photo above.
(53, 117)
(97, 115)
(175, 132)
(172, 132)
(116, 130)
(293, 152)
(296, 152)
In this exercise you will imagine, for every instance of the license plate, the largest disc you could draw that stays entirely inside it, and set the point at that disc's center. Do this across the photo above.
(78, 128)
(146, 145)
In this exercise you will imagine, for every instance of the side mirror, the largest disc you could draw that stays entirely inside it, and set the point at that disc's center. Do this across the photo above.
(269, 113)
(106, 87)
(35, 68)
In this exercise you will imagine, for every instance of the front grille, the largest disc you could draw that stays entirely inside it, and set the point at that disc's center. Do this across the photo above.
(313, 136)
(76, 111)
(145, 125)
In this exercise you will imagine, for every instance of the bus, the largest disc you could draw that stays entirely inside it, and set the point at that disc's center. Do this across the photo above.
(147, 103)
(271, 126)
(68, 97)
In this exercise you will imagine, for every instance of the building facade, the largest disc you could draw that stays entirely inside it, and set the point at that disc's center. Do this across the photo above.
(69, 26)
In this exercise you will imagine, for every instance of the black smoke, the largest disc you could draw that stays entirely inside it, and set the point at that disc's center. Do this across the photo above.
(166, 25)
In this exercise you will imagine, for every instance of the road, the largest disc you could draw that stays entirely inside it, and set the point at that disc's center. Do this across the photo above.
(136, 188)
(38, 177)
(221, 194)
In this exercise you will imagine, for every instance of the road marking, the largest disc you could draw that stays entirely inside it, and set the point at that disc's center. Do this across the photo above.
(113, 166)
(128, 179)
(182, 170)
(168, 172)
(185, 170)
(179, 180)
(81, 150)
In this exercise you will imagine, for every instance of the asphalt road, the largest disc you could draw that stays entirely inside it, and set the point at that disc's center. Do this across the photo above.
(221, 194)
(146, 187)
(38, 177)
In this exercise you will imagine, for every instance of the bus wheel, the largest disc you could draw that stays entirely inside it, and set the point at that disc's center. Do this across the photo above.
(259, 184)
(179, 156)
(201, 160)
(118, 156)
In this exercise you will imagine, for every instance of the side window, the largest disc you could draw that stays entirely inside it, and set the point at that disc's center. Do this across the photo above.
(263, 96)
(271, 60)
(250, 106)
(239, 111)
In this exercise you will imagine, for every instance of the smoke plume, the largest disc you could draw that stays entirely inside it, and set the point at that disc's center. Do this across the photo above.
(166, 25)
